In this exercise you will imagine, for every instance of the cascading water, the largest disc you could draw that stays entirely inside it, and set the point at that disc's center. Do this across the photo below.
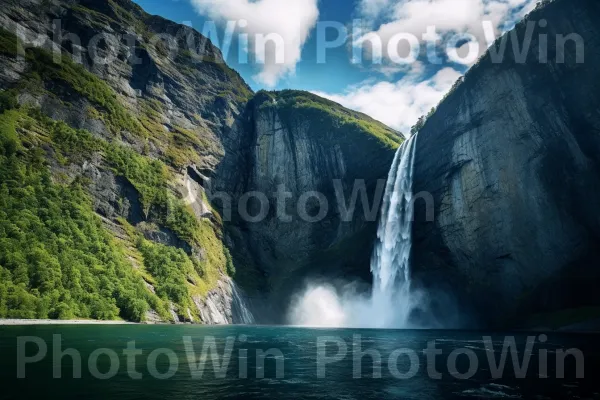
(390, 264)
(239, 309)
(391, 300)
(225, 305)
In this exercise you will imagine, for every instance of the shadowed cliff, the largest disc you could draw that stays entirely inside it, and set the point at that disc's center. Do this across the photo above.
(511, 158)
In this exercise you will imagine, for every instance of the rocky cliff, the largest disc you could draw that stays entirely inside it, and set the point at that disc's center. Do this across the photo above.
(129, 107)
(125, 126)
(307, 158)
(512, 160)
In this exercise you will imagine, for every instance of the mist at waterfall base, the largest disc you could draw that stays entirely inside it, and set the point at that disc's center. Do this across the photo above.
(392, 301)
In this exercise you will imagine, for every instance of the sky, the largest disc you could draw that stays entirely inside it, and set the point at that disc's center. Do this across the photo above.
(391, 59)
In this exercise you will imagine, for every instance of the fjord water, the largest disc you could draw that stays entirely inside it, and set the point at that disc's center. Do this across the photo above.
(298, 378)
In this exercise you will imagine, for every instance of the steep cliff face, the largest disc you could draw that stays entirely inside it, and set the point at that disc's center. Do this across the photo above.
(126, 111)
(303, 146)
(512, 159)
(170, 77)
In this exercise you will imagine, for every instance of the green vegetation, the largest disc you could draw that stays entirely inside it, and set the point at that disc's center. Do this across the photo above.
(171, 269)
(147, 175)
(182, 146)
(8, 100)
(117, 15)
(421, 122)
(235, 94)
(150, 178)
(43, 68)
(178, 278)
(128, 17)
(86, 84)
(8, 43)
(185, 146)
(56, 260)
(328, 112)
(235, 84)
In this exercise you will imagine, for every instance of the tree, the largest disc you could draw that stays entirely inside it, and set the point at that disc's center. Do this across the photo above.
(421, 122)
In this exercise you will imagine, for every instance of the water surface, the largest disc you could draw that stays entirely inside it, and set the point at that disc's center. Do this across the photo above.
(299, 377)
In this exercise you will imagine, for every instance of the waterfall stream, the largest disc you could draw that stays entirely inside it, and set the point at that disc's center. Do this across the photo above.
(240, 312)
(390, 264)
(391, 301)
(227, 304)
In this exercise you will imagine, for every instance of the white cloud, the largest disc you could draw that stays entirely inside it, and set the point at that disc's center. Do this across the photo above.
(292, 20)
(372, 9)
(466, 54)
(399, 104)
(447, 16)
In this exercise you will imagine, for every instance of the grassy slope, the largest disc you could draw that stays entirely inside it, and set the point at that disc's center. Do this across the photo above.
(56, 259)
(333, 116)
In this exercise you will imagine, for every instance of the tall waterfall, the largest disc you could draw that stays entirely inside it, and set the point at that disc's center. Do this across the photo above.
(391, 300)
(390, 264)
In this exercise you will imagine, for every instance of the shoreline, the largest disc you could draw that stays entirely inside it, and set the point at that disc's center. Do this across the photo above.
(25, 322)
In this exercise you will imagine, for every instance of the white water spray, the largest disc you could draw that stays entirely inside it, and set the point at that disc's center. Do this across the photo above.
(391, 301)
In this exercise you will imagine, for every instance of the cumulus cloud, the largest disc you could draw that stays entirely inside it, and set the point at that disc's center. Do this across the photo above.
(372, 9)
(290, 20)
(389, 18)
(398, 104)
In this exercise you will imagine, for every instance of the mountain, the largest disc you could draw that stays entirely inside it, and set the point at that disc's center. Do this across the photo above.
(115, 145)
(512, 160)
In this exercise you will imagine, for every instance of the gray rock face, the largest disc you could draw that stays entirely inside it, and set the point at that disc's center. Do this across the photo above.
(302, 235)
(512, 159)
(184, 96)
(226, 304)
(182, 82)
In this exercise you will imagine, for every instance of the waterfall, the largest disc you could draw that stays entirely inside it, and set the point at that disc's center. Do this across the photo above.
(391, 301)
(225, 304)
(390, 263)
(240, 312)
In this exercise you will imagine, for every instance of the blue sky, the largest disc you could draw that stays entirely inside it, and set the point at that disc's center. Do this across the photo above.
(395, 88)
(333, 76)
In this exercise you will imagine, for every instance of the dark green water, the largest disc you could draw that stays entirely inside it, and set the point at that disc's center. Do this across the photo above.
(299, 377)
